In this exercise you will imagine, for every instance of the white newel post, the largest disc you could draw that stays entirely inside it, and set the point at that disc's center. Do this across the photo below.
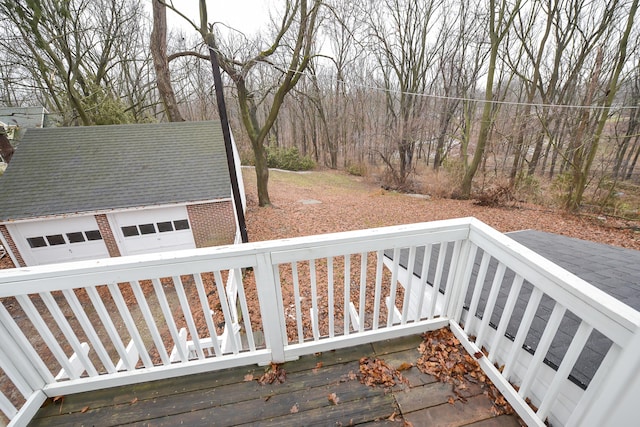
(271, 309)
(617, 400)
(461, 275)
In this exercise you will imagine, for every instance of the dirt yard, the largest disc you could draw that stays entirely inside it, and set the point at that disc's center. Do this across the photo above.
(324, 202)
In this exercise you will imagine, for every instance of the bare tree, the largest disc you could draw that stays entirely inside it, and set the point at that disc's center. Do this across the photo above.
(500, 20)
(459, 63)
(70, 53)
(289, 52)
(158, 47)
(401, 30)
(630, 140)
(583, 157)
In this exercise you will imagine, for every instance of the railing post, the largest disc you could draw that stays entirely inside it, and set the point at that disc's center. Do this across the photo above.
(617, 401)
(462, 274)
(271, 309)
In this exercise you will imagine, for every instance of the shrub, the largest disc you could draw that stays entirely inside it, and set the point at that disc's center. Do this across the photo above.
(247, 158)
(560, 188)
(499, 194)
(357, 169)
(528, 187)
(288, 159)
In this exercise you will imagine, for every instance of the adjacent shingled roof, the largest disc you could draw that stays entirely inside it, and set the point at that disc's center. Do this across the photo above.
(614, 270)
(79, 169)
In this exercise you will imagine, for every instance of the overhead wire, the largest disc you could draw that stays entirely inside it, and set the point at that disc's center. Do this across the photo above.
(465, 99)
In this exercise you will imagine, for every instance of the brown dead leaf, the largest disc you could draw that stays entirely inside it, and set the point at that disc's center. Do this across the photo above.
(443, 357)
(405, 366)
(333, 398)
(248, 377)
(59, 399)
(376, 372)
(272, 374)
(392, 417)
(294, 409)
(85, 409)
(451, 400)
(408, 423)
(319, 365)
(134, 400)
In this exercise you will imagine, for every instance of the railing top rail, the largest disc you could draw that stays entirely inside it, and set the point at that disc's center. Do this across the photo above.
(573, 292)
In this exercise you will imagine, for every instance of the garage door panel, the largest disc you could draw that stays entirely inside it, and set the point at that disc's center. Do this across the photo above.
(153, 230)
(59, 240)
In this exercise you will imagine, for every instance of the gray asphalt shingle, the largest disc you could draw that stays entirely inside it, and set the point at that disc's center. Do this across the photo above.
(614, 270)
(80, 169)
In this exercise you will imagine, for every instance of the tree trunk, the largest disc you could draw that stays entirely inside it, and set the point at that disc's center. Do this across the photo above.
(262, 172)
(498, 29)
(633, 162)
(618, 168)
(580, 178)
(6, 149)
(158, 47)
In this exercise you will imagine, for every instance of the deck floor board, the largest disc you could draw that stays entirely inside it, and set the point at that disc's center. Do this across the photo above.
(229, 397)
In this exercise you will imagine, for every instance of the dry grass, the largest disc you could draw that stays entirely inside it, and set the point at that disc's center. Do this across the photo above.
(352, 203)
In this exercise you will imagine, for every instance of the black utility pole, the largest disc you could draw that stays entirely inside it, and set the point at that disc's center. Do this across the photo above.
(226, 133)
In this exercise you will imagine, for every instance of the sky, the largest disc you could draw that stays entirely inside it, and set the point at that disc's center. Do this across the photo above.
(245, 15)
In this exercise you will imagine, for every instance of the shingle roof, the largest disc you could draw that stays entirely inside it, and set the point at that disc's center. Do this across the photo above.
(79, 169)
(614, 270)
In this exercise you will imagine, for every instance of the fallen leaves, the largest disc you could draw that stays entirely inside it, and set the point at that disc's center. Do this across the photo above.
(443, 356)
(349, 203)
(59, 399)
(294, 409)
(333, 398)
(273, 373)
(248, 377)
(405, 366)
(376, 372)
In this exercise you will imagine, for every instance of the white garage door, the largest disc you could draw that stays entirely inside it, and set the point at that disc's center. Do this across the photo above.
(152, 230)
(59, 240)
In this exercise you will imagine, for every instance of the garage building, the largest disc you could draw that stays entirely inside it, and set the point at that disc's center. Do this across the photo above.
(82, 193)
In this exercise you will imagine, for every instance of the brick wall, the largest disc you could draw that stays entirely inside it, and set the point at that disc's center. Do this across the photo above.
(12, 246)
(212, 224)
(107, 235)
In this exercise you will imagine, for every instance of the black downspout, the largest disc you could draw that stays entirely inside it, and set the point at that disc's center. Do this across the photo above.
(224, 122)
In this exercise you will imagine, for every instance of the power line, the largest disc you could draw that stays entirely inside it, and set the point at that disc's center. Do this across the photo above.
(465, 99)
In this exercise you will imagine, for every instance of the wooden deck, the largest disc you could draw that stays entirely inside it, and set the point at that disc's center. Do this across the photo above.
(234, 397)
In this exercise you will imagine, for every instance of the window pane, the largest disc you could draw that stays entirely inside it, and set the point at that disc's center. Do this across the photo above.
(75, 237)
(56, 239)
(181, 224)
(36, 242)
(130, 230)
(147, 228)
(165, 226)
(93, 235)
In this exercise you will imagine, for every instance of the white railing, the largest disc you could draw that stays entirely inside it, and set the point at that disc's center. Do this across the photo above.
(75, 327)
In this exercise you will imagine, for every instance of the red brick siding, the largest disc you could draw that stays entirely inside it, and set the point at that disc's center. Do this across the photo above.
(212, 224)
(12, 245)
(107, 235)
